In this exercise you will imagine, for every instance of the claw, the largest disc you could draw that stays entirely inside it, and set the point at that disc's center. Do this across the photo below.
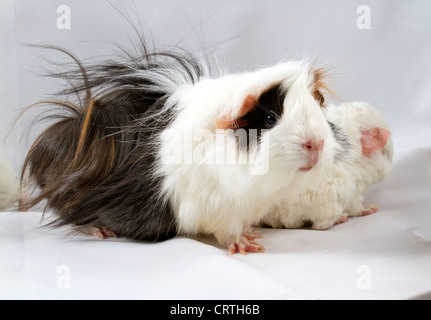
(99, 232)
(252, 235)
(246, 244)
(369, 210)
(104, 233)
(342, 219)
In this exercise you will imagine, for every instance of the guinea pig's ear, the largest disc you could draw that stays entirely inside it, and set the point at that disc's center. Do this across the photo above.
(320, 86)
(231, 121)
(373, 139)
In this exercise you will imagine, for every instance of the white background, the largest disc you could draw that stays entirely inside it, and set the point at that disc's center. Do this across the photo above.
(387, 65)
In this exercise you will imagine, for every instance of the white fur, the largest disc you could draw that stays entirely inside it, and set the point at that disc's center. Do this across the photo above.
(9, 187)
(226, 199)
(342, 192)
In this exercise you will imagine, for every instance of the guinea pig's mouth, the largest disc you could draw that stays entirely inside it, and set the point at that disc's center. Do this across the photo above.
(306, 169)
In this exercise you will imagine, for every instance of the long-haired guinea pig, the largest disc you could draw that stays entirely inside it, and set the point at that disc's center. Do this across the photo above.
(162, 144)
(9, 186)
(365, 159)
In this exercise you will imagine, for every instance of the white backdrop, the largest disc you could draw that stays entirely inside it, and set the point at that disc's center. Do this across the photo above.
(387, 64)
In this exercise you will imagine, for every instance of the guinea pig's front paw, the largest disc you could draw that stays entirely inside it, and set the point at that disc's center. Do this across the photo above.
(341, 219)
(246, 244)
(326, 224)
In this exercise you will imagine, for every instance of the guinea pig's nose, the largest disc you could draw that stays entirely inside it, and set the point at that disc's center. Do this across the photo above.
(313, 150)
(312, 145)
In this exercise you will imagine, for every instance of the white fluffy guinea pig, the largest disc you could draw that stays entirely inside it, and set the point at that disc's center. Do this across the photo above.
(292, 149)
(158, 145)
(365, 159)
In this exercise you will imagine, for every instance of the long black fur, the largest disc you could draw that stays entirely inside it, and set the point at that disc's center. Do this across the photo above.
(96, 164)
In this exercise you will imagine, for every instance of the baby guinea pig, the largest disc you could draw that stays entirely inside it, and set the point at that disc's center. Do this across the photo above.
(161, 144)
(366, 160)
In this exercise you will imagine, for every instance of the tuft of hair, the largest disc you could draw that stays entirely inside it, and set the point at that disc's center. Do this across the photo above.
(320, 85)
(96, 163)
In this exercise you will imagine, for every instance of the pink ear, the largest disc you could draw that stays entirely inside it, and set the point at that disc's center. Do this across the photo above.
(229, 121)
(373, 139)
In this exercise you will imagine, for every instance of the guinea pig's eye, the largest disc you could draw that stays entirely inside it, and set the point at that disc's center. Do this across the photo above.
(271, 119)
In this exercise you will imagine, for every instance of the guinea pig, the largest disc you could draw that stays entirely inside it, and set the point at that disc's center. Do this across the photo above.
(9, 186)
(365, 160)
(165, 143)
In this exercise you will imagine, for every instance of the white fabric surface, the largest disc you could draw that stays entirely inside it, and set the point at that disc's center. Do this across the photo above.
(385, 255)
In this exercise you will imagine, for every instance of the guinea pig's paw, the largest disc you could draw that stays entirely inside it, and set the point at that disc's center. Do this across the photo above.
(252, 235)
(99, 232)
(369, 210)
(325, 225)
(340, 220)
(104, 233)
(246, 244)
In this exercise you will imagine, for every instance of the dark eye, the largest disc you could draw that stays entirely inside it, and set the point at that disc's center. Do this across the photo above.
(271, 119)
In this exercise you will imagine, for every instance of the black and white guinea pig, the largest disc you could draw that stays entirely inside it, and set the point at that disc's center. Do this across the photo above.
(162, 144)
(366, 159)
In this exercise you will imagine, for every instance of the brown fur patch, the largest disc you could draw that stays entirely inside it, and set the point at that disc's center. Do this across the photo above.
(226, 122)
(320, 85)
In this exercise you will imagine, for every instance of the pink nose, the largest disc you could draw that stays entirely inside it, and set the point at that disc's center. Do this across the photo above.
(313, 146)
(313, 150)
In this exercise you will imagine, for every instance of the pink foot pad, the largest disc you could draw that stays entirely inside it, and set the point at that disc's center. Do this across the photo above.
(99, 232)
(103, 233)
(369, 210)
(246, 244)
